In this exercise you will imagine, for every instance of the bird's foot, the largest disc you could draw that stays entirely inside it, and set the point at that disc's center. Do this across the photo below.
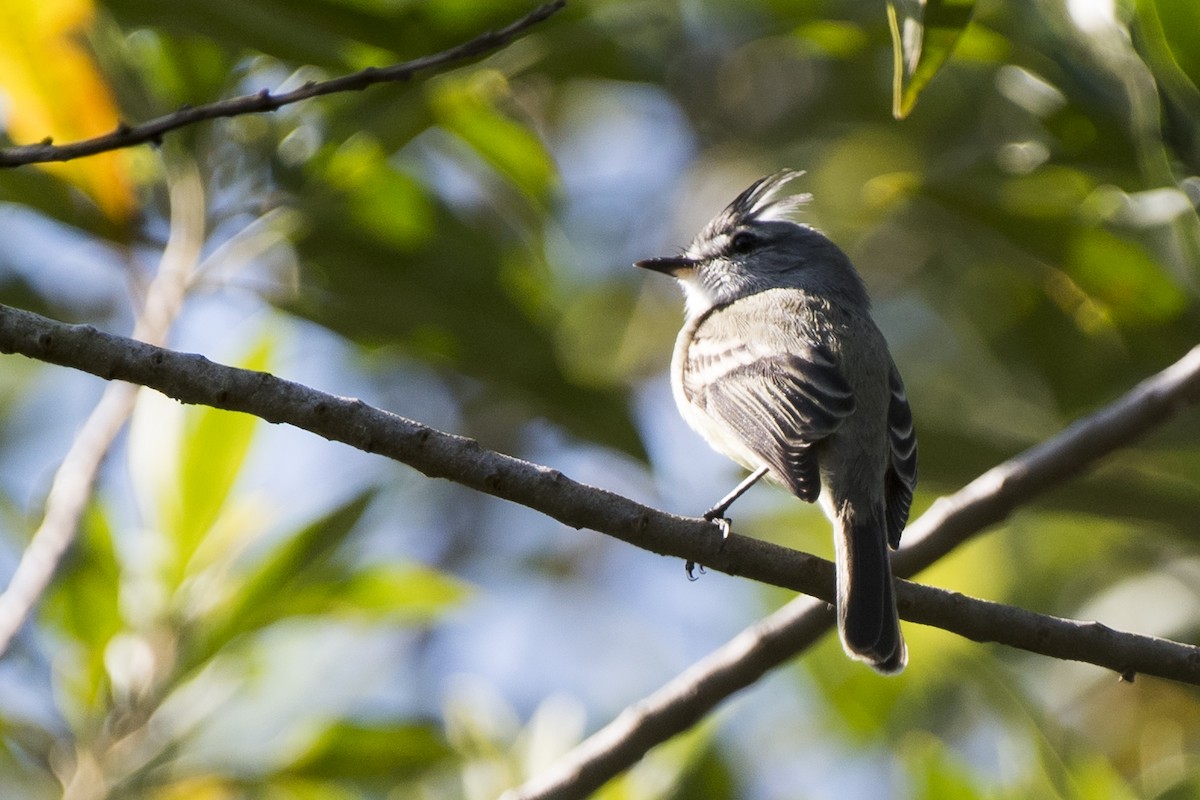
(713, 515)
(723, 523)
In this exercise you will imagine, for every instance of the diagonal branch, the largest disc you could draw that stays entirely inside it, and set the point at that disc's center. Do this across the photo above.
(991, 497)
(775, 639)
(950, 521)
(194, 379)
(153, 130)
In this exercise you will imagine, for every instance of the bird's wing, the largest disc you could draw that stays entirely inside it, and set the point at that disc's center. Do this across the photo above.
(779, 405)
(902, 471)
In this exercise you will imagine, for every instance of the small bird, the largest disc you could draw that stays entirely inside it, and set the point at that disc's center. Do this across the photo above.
(780, 367)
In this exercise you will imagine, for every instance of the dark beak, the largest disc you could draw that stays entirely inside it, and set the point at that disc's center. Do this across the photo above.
(668, 265)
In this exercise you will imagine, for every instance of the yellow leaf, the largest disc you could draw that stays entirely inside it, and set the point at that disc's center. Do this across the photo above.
(52, 88)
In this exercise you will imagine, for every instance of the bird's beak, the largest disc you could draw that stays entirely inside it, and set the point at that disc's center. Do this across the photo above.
(668, 265)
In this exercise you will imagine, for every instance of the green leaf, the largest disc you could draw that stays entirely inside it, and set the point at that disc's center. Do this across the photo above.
(833, 38)
(389, 203)
(407, 592)
(923, 37)
(1124, 279)
(1168, 36)
(299, 577)
(335, 34)
(348, 751)
(211, 456)
(937, 772)
(858, 701)
(1092, 775)
(266, 593)
(395, 593)
(441, 287)
(83, 603)
(1172, 29)
(468, 108)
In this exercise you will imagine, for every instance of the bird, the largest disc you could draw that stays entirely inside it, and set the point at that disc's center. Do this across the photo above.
(780, 366)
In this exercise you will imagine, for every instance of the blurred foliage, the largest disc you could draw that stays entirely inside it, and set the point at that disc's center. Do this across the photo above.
(923, 37)
(1029, 232)
(148, 635)
(55, 91)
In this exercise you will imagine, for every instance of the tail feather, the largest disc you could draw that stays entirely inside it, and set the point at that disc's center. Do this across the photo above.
(866, 603)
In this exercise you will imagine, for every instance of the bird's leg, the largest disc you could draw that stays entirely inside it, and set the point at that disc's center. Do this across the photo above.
(716, 514)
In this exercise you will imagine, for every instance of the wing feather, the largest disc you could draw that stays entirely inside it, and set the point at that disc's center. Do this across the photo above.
(901, 478)
(779, 405)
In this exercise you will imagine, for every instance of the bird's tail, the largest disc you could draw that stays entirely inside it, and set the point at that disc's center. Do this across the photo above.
(866, 598)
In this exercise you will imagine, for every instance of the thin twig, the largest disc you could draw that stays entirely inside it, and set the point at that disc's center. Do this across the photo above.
(71, 488)
(951, 520)
(153, 130)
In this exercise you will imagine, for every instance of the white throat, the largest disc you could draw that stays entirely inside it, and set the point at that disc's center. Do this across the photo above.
(696, 296)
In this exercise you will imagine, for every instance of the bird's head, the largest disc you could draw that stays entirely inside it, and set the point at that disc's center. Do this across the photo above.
(753, 245)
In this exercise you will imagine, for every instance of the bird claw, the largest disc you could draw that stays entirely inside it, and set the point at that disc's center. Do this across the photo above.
(724, 526)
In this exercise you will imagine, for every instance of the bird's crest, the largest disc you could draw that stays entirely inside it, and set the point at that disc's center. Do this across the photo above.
(759, 203)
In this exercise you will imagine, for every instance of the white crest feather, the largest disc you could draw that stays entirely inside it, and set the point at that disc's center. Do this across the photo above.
(759, 202)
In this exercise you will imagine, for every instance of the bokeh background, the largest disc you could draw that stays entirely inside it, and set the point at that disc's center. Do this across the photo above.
(253, 612)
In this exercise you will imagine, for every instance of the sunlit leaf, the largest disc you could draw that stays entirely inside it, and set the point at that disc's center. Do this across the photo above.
(1173, 30)
(860, 704)
(264, 595)
(394, 593)
(935, 771)
(390, 204)
(1168, 32)
(924, 33)
(1125, 279)
(835, 38)
(1095, 776)
(52, 88)
(212, 451)
(363, 753)
(406, 592)
(468, 108)
(185, 462)
(83, 603)
(202, 787)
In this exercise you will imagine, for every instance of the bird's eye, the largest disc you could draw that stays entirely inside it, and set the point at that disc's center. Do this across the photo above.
(744, 242)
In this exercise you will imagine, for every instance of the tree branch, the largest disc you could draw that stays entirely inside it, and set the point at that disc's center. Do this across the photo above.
(194, 379)
(688, 697)
(994, 495)
(950, 521)
(153, 130)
